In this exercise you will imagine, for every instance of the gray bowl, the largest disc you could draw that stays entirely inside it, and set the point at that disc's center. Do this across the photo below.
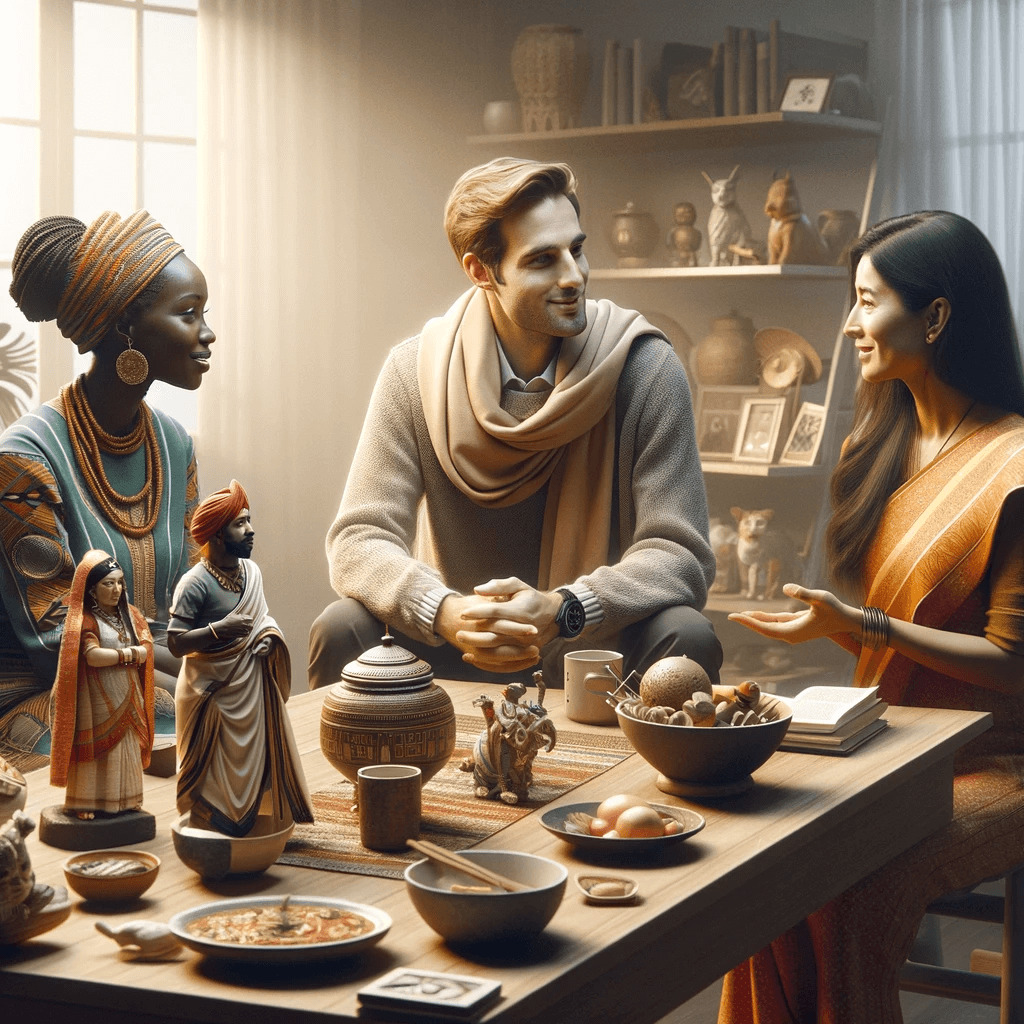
(707, 762)
(484, 917)
(215, 856)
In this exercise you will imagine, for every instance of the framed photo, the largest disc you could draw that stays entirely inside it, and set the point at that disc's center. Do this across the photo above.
(760, 423)
(805, 438)
(718, 420)
(806, 93)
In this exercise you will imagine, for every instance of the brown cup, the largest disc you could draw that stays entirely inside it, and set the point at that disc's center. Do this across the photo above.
(389, 805)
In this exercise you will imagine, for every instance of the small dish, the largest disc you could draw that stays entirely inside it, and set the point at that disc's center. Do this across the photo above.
(690, 823)
(608, 889)
(111, 875)
(312, 952)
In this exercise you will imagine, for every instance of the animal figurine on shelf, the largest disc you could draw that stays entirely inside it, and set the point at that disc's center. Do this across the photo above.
(27, 907)
(683, 240)
(723, 538)
(791, 236)
(143, 940)
(760, 547)
(727, 224)
(515, 731)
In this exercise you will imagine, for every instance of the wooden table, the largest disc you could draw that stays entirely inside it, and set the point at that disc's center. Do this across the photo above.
(810, 828)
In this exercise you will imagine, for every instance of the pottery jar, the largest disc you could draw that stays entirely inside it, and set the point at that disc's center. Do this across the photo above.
(838, 228)
(632, 235)
(550, 66)
(387, 709)
(728, 355)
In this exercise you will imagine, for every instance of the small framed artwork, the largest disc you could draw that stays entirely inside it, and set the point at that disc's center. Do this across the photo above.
(718, 420)
(806, 93)
(760, 423)
(805, 438)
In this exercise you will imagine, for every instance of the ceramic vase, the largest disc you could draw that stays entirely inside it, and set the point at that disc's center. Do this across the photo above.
(387, 710)
(632, 235)
(550, 66)
(727, 355)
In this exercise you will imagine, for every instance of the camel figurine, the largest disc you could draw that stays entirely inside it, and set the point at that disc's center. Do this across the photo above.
(514, 732)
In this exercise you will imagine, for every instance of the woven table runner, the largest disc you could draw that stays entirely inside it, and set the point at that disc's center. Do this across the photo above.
(452, 816)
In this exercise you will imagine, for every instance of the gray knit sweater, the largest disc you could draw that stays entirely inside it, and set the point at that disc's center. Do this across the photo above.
(659, 552)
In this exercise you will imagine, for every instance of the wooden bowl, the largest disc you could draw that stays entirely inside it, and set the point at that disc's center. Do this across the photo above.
(111, 875)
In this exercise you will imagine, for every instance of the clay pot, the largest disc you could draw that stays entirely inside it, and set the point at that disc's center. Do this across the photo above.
(550, 66)
(632, 235)
(387, 709)
(838, 228)
(728, 355)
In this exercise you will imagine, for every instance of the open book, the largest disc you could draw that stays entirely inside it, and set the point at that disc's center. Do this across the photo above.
(824, 709)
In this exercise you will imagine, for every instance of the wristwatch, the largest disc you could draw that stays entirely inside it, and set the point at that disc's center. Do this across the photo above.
(572, 616)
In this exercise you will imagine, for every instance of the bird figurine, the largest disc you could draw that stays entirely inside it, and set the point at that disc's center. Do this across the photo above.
(145, 940)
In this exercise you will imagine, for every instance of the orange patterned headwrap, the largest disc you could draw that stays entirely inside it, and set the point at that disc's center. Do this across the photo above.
(217, 510)
(113, 263)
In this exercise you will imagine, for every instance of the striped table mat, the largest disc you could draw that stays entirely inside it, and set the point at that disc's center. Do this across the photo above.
(452, 816)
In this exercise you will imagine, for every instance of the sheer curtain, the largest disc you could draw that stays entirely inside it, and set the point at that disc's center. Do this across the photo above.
(279, 409)
(954, 72)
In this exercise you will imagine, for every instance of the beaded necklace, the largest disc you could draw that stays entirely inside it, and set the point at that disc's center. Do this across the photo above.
(112, 620)
(232, 581)
(88, 439)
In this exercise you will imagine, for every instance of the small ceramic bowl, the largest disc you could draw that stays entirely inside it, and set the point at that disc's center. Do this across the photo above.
(111, 875)
(215, 856)
(608, 889)
(486, 916)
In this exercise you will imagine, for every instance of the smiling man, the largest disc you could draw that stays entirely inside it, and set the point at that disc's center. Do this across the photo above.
(527, 479)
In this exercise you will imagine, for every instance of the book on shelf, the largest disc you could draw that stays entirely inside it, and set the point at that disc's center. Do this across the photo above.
(824, 709)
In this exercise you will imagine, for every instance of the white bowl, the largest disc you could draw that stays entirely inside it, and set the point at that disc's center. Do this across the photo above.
(215, 856)
(483, 917)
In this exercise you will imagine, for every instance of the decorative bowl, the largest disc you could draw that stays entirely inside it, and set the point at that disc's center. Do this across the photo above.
(558, 821)
(214, 855)
(310, 952)
(716, 762)
(111, 875)
(486, 916)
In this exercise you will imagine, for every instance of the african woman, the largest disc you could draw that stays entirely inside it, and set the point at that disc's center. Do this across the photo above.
(927, 499)
(96, 467)
(102, 718)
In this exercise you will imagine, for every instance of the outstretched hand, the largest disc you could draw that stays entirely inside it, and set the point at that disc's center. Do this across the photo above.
(825, 615)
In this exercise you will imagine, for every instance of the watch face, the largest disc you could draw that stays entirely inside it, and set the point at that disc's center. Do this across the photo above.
(574, 619)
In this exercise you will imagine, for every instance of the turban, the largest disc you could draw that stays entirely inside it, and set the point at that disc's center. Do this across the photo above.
(114, 262)
(216, 511)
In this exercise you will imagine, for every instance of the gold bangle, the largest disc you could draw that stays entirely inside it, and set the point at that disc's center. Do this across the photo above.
(213, 631)
(874, 630)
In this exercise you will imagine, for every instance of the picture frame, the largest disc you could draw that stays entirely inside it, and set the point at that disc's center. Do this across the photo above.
(806, 92)
(801, 448)
(717, 419)
(760, 425)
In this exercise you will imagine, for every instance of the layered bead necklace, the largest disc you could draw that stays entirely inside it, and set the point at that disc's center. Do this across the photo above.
(89, 439)
(229, 581)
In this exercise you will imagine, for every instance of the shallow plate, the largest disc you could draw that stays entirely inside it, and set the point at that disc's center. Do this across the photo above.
(280, 954)
(554, 821)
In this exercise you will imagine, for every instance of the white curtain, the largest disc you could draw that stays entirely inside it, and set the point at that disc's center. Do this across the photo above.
(277, 154)
(954, 72)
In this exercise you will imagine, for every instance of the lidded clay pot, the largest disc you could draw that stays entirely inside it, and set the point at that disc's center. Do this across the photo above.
(632, 235)
(387, 710)
(728, 354)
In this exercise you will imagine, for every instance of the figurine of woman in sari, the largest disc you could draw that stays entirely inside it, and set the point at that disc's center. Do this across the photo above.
(102, 708)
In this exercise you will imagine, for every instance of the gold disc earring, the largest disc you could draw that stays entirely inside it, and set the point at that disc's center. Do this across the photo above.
(132, 366)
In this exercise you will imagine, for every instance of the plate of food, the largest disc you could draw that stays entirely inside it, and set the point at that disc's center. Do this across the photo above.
(622, 823)
(280, 930)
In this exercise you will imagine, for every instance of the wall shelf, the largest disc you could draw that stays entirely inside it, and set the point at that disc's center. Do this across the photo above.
(803, 273)
(760, 469)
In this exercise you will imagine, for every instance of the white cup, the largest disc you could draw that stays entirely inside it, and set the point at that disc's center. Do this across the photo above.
(589, 677)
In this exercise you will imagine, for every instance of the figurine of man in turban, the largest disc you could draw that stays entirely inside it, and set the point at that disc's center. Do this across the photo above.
(238, 755)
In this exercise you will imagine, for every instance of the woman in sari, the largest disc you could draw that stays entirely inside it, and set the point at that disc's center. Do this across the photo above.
(927, 498)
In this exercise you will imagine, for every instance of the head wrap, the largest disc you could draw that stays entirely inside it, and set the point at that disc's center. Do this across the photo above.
(217, 510)
(115, 260)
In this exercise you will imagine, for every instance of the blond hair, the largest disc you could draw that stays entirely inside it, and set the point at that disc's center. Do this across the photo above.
(486, 194)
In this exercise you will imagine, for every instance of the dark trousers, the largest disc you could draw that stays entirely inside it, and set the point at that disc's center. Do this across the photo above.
(345, 629)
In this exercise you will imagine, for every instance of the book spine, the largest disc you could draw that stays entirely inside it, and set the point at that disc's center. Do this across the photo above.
(608, 88)
(638, 88)
(774, 85)
(729, 106)
(745, 96)
(623, 85)
(762, 78)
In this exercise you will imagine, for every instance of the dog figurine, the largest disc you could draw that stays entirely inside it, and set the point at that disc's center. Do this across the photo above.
(761, 547)
(791, 236)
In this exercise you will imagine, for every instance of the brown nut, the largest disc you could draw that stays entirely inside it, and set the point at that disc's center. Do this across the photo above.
(680, 718)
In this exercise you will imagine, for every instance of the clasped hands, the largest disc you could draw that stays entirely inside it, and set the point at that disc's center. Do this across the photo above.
(502, 626)
(824, 616)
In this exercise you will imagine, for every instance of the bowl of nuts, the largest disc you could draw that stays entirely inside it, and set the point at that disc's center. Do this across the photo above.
(704, 740)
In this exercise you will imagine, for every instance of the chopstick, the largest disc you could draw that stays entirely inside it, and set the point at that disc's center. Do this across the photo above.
(465, 865)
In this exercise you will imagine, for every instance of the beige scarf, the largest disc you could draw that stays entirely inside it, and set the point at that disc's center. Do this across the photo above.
(496, 460)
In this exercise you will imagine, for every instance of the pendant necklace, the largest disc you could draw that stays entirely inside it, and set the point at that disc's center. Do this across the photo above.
(959, 424)
(229, 581)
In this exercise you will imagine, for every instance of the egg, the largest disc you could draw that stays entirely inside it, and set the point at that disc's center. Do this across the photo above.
(610, 809)
(640, 823)
(599, 826)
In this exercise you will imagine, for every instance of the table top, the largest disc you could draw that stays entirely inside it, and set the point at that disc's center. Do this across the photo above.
(811, 826)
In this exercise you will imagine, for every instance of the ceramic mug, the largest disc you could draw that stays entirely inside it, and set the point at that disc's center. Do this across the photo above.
(589, 677)
(389, 805)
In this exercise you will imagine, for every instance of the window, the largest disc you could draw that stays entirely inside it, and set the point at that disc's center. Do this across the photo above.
(97, 112)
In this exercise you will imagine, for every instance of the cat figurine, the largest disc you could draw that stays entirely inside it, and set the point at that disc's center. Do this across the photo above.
(27, 907)
(759, 546)
(727, 224)
(791, 236)
(723, 543)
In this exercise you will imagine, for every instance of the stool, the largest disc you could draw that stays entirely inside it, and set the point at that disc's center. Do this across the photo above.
(1006, 989)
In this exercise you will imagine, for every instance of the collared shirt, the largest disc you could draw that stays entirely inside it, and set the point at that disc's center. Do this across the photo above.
(545, 382)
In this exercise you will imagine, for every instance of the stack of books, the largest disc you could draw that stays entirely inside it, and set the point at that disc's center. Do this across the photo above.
(834, 719)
